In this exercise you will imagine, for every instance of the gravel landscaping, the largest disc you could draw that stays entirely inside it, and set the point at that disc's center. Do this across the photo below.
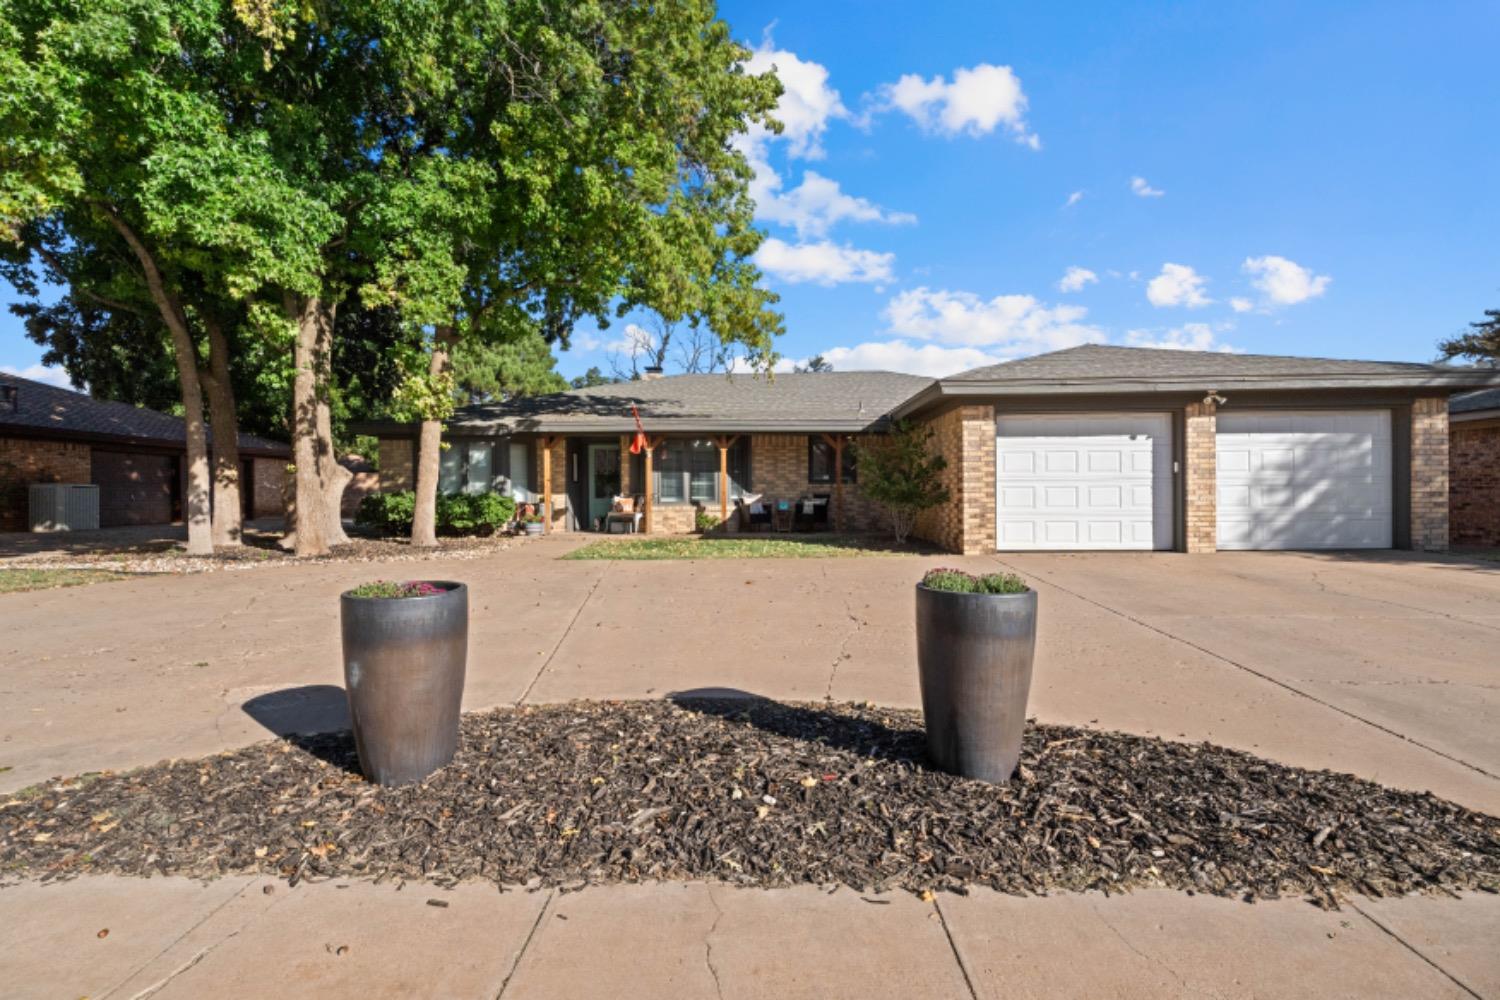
(763, 794)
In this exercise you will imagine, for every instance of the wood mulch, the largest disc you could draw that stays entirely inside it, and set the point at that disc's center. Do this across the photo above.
(758, 793)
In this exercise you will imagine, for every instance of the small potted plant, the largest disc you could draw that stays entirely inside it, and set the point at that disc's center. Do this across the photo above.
(532, 524)
(976, 636)
(405, 650)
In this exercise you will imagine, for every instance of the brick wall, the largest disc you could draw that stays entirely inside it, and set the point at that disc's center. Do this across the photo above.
(965, 436)
(24, 461)
(778, 470)
(396, 470)
(1429, 474)
(270, 480)
(1200, 449)
(1474, 483)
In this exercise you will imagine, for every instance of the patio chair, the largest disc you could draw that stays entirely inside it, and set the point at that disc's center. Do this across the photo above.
(626, 519)
(754, 512)
(812, 512)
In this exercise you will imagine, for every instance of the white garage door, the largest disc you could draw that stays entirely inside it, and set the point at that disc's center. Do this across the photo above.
(1102, 481)
(1314, 479)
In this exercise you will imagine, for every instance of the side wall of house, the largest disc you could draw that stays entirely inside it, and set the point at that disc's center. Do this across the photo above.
(24, 461)
(270, 477)
(1474, 482)
(965, 437)
(397, 471)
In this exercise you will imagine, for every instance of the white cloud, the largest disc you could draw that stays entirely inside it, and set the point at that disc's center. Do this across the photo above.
(1005, 326)
(1187, 337)
(824, 262)
(1284, 282)
(816, 204)
(1144, 190)
(1073, 199)
(904, 356)
(807, 102)
(1240, 305)
(975, 103)
(1075, 278)
(1177, 285)
(41, 373)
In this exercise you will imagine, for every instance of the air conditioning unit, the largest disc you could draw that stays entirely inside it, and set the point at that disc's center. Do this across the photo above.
(64, 507)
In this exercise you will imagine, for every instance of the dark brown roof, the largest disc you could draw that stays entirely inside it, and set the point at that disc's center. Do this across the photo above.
(812, 401)
(63, 413)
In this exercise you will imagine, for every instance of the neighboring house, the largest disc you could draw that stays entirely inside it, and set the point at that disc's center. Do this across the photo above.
(1474, 461)
(134, 455)
(1087, 448)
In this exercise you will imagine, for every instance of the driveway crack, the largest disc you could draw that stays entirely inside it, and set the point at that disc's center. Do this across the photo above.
(1256, 673)
(1417, 952)
(1147, 958)
(958, 957)
(535, 927)
(843, 651)
(564, 637)
(708, 943)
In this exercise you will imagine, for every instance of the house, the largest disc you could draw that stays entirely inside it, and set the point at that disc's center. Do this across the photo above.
(134, 455)
(1091, 447)
(1474, 463)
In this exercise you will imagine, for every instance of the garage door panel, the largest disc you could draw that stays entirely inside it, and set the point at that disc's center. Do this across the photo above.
(1313, 480)
(1084, 482)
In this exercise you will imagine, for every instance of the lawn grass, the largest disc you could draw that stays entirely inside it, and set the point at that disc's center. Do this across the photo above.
(17, 580)
(694, 547)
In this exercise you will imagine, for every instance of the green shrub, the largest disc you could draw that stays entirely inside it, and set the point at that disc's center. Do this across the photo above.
(388, 513)
(457, 513)
(705, 522)
(956, 581)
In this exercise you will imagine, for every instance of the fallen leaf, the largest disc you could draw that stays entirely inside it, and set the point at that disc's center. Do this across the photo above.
(104, 933)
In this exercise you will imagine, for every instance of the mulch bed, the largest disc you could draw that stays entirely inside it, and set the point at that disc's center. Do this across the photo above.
(763, 794)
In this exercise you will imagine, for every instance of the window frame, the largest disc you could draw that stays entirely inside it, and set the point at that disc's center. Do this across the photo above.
(848, 472)
(738, 469)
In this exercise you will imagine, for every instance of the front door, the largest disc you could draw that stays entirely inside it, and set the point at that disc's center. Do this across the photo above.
(604, 480)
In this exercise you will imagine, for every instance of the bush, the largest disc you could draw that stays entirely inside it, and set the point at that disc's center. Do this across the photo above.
(898, 472)
(705, 522)
(956, 581)
(457, 513)
(387, 513)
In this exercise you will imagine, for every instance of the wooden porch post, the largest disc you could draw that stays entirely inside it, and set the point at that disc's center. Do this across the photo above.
(650, 454)
(837, 441)
(547, 485)
(724, 443)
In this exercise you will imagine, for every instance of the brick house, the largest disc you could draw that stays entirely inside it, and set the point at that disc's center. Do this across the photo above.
(1474, 464)
(134, 455)
(1087, 448)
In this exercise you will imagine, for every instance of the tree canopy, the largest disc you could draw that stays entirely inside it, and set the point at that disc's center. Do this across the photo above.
(1481, 341)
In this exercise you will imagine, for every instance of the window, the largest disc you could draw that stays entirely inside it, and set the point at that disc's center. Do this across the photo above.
(467, 467)
(686, 470)
(820, 462)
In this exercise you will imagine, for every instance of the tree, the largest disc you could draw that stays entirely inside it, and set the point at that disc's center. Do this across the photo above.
(816, 363)
(589, 379)
(524, 367)
(897, 471)
(695, 350)
(1481, 342)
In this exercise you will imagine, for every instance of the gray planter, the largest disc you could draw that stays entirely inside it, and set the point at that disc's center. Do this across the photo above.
(974, 654)
(533, 527)
(404, 664)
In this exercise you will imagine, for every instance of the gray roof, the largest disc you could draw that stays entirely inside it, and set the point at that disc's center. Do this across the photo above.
(64, 413)
(1096, 368)
(831, 401)
(1473, 402)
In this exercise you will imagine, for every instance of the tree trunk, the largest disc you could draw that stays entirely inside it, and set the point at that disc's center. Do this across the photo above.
(333, 476)
(429, 454)
(310, 534)
(224, 426)
(196, 506)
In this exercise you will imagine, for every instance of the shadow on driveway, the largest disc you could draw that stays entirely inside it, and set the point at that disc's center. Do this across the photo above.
(866, 737)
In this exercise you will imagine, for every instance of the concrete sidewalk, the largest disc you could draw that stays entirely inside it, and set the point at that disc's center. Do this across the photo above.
(252, 937)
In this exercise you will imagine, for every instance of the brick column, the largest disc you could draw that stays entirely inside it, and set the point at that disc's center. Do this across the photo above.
(1201, 477)
(1429, 474)
(978, 480)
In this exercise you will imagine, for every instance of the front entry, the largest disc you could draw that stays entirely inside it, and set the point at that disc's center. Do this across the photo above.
(604, 480)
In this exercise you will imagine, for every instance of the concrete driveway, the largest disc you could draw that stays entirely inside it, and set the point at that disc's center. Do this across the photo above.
(1384, 666)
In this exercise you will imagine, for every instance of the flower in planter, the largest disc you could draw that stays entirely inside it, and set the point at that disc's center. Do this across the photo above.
(392, 589)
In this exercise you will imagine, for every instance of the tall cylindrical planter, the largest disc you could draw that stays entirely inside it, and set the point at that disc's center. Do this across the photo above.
(404, 661)
(974, 654)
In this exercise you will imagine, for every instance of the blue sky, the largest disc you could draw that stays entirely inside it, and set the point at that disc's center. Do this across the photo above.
(1297, 178)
